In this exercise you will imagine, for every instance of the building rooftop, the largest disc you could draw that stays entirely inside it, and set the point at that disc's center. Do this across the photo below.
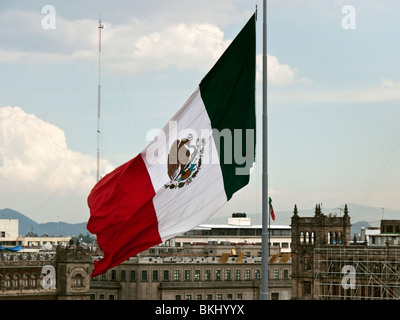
(231, 226)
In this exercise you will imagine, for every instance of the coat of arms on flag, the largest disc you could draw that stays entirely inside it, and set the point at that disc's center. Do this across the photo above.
(184, 161)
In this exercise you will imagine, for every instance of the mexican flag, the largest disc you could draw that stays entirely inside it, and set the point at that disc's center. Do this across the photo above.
(271, 209)
(195, 164)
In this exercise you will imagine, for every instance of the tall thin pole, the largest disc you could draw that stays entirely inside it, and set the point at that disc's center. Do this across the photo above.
(264, 197)
(98, 105)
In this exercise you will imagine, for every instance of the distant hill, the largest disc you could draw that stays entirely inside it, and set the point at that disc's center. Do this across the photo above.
(50, 228)
(361, 216)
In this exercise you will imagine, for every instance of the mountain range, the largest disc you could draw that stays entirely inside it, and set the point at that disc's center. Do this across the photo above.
(361, 216)
(50, 228)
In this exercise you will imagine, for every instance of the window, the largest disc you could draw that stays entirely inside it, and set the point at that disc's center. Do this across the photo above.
(188, 297)
(133, 275)
(237, 275)
(209, 296)
(229, 296)
(178, 297)
(33, 281)
(257, 274)
(208, 275)
(114, 275)
(274, 295)
(285, 245)
(197, 275)
(239, 296)
(25, 281)
(187, 275)
(247, 274)
(166, 275)
(176, 275)
(123, 275)
(276, 274)
(285, 274)
(199, 297)
(7, 281)
(228, 274)
(15, 281)
(307, 287)
(219, 296)
(77, 280)
(144, 275)
(217, 274)
(307, 263)
(155, 275)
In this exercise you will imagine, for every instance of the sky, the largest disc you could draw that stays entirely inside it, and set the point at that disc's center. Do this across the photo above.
(333, 96)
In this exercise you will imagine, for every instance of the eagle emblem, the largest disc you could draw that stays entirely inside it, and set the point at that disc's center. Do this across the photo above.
(184, 161)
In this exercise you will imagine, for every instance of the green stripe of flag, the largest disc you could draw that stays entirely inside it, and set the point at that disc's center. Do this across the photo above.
(228, 92)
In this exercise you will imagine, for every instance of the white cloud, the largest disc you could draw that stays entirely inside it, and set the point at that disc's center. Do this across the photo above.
(185, 46)
(388, 83)
(35, 161)
(278, 74)
(133, 47)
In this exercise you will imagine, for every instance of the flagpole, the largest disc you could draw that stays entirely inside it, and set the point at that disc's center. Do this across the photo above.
(98, 105)
(264, 196)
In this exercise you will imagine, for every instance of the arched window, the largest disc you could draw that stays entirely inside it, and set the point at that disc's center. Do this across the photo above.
(334, 241)
(33, 281)
(25, 281)
(312, 238)
(307, 237)
(7, 281)
(15, 281)
(329, 237)
(77, 280)
(339, 237)
(301, 237)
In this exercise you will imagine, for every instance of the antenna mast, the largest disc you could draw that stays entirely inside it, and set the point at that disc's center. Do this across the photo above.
(101, 26)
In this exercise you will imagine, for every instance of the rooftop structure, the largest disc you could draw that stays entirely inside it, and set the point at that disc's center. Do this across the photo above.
(9, 237)
(238, 230)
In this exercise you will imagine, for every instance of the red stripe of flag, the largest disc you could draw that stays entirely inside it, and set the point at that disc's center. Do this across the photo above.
(123, 214)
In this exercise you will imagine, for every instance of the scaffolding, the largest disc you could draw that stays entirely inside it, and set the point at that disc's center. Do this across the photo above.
(357, 272)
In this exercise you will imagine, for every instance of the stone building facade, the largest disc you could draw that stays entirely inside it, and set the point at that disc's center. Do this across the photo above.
(179, 278)
(327, 264)
(309, 233)
(210, 272)
(62, 274)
